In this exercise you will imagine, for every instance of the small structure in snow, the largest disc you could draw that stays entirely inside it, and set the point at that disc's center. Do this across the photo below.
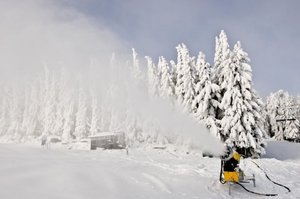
(108, 140)
(47, 140)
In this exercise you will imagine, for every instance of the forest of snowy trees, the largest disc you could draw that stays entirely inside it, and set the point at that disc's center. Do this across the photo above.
(282, 116)
(220, 95)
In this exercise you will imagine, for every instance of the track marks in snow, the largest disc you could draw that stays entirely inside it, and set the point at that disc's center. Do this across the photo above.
(156, 182)
(217, 189)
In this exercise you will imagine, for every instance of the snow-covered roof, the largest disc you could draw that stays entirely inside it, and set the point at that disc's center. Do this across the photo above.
(102, 134)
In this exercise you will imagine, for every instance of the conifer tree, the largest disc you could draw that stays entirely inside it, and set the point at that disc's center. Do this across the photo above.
(81, 124)
(14, 116)
(69, 120)
(281, 108)
(276, 102)
(204, 104)
(136, 70)
(166, 84)
(30, 113)
(61, 90)
(94, 129)
(222, 55)
(221, 64)
(152, 78)
(292, 126)
(49, 102)
(173, 75)
(185, 78)
(241, 124)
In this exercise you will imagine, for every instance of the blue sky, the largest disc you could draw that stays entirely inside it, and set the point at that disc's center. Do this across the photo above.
(268, 30)
(38, 31)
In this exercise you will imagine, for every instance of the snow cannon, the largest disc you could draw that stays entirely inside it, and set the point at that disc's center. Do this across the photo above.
(230, 172)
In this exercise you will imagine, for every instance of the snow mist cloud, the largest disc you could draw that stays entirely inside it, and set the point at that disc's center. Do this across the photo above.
(172, 121)
(36, 33)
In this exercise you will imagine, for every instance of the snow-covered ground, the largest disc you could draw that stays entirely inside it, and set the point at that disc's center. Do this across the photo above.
(29, 172)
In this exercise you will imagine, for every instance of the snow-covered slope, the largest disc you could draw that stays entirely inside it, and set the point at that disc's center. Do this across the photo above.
(29, 172)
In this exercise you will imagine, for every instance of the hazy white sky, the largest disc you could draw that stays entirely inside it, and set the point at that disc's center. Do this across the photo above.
(269, 31)
(66, 29)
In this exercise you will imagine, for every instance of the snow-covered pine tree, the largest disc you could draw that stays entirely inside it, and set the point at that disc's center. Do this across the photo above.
(94, 127)
(15, 116)
(114, 124)
(173, 75)
(49, 102)
(292, 129)
(136, 70)
(69, 118)
(81, 123)
(102, 122)
(152, 78)
(271, 114)
(166, 84)
(179, 89)
(222, 55)
(275, 104)
(298, 107)
(185, 80)
(26, 113)
(221, 63)
(281, 106)
(204, 105)
(241, 124)
(61, 88)
(30, 113)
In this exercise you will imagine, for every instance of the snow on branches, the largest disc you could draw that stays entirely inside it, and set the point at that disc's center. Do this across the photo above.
(221, 96)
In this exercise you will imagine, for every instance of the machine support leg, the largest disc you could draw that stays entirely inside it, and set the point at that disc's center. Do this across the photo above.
(229, 190)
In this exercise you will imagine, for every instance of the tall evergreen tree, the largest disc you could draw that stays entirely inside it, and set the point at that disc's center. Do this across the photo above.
(94, 129)
(204, 105)
(49, 101)
(30, 113)
(281, 106)
(241, 124)
(221, 65)
(61, 89)
(185, 78)
(276, 102)
(166, 83)
(221, 58)
(69, 118)
(15, 116)
(136, 70)
(298, 107)
(81, 125)
(152, 78)
(292, 131)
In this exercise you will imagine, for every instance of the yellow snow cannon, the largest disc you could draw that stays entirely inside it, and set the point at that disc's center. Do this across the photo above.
(231, 173)
(231, 170)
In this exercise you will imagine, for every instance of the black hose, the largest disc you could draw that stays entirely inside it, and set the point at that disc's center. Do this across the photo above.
(250, 191)
(256, 193)
(289, 190)
(221, 172)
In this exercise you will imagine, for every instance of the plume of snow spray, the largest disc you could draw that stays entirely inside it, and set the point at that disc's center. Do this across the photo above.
(36, 32)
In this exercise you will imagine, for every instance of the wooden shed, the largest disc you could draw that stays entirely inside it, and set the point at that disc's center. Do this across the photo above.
(108, 140)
